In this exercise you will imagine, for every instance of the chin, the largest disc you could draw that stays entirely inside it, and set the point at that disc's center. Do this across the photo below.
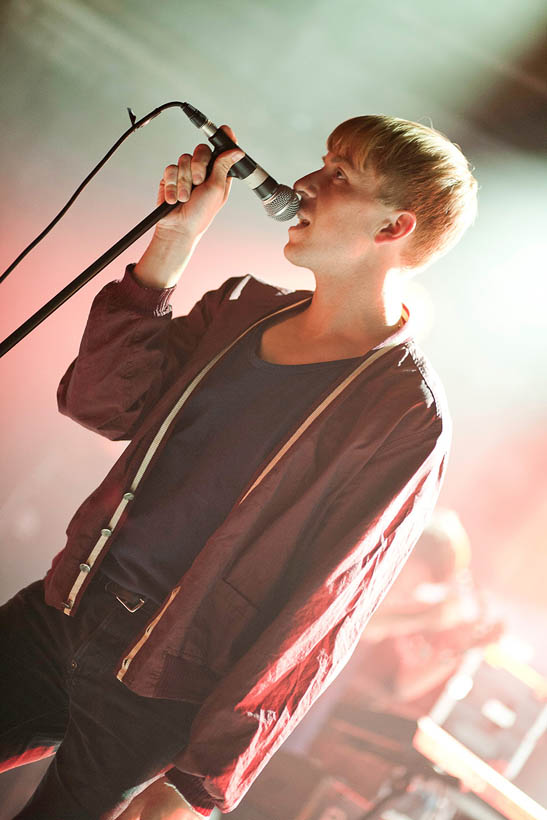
(295, 255)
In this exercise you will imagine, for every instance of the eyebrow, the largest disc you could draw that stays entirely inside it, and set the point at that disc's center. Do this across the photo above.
(340, 160)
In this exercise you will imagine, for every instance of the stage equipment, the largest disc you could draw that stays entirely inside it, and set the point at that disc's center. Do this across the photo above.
(480, 753)
(495, 706)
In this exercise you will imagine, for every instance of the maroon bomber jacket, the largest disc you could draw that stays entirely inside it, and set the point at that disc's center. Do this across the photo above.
(274, 604)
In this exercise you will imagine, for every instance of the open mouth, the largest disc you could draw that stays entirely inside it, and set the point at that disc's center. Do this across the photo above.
(302, 222)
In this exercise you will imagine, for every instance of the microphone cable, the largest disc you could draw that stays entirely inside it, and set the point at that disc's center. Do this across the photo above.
(282, 193)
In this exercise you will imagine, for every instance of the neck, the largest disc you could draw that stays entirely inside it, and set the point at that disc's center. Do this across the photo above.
(355, 307)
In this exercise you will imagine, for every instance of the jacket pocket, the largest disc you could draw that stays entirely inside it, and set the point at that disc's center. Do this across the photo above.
(223, 629)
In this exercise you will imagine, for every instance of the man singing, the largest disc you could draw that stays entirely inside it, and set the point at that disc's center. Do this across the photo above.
(286, 450)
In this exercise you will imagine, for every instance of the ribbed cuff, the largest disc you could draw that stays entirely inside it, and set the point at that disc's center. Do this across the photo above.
(192, 791)
(142, 299)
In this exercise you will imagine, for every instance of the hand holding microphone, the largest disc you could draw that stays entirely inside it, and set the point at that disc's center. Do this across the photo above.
(201, 183)
(200, 189)
(280, 201)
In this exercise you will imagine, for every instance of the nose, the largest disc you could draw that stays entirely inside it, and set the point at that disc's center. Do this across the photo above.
(307, 184)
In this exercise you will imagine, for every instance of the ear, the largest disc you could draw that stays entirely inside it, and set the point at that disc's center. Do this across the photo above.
(398, 227)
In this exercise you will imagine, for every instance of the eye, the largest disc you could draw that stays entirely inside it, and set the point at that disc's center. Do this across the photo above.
(339, 174)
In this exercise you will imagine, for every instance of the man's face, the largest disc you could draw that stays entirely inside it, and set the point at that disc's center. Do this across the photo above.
(338, 218)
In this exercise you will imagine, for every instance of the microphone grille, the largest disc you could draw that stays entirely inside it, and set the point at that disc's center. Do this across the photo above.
(283, 203)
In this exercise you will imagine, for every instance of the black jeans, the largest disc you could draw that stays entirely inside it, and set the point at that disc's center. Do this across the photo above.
(59, 689)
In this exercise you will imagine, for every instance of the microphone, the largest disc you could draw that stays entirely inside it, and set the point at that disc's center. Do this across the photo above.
(279, 201)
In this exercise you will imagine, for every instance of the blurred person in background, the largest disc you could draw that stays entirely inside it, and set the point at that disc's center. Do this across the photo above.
(413, 644)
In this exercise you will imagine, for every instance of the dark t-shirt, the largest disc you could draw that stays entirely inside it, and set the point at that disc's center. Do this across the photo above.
(242, 410)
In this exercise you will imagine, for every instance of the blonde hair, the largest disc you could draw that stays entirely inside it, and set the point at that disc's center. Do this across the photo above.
(418, 170)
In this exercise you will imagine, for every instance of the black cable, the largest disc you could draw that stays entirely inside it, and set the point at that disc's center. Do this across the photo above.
(134, 125)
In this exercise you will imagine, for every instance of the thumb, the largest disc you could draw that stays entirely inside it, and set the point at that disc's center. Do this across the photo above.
(222, 165)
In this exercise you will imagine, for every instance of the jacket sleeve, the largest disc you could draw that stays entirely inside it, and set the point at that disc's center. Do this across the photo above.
(131, 352)
(359, 542)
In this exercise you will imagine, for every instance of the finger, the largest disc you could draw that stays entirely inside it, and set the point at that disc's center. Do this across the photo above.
(161, 193)
(230, 133)
(200, 160)
(227, 188)
(223, 163)
(227, 130)
(170, 176)
(184, 182)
